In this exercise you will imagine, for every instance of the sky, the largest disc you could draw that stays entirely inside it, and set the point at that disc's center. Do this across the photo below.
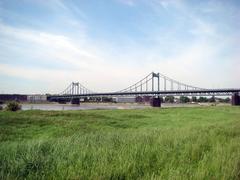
(107, 45)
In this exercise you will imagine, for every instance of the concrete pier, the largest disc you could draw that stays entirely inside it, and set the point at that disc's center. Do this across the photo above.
(236, 99)
(155, 102)
(75, 101)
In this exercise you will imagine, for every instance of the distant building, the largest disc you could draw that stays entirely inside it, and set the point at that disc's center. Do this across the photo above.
(12, 97)
(131, 99)
(146, 99)
(36, 98)
(125, 99)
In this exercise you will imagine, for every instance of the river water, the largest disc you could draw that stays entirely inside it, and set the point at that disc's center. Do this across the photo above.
(82, 106)
(86, 106)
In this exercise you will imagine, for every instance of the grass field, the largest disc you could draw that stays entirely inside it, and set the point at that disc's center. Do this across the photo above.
(169, 143)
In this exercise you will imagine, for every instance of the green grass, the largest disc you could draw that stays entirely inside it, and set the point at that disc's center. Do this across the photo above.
(169, 143)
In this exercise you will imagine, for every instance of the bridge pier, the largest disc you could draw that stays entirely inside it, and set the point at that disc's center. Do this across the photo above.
(155, 102)
(62, 101)
(75, 101)
(235, 99)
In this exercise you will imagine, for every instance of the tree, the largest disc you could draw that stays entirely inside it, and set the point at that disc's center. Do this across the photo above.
(212, 99)
(184, 99)
(161, 99)
(227, 100)
(13, 106)
(194, 99)
(202, 99)
(169, 99)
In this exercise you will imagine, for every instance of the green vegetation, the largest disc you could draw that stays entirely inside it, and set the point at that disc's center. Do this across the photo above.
(194, 99)
(13, 106)
(184, 99)
(169, 99)
(168, 143)
(202, 99)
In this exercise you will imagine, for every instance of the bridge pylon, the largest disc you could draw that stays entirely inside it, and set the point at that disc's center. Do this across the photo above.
(155, 75)
(236, 99)
(155, 101)
(75, 101)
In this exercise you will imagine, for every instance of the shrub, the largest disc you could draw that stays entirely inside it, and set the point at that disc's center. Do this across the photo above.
(1, 108)
(13, 106)
(184, 99)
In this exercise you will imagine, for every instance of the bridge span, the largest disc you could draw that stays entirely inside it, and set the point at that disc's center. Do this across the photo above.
(154, 85)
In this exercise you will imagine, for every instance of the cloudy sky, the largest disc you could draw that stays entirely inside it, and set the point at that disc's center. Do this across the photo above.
(109, 44)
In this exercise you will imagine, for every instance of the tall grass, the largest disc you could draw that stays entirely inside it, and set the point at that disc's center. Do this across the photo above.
(175, 143)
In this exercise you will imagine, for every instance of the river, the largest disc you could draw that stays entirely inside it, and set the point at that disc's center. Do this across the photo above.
(85, 106)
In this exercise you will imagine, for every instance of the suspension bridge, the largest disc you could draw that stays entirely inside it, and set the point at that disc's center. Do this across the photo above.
(154, 85)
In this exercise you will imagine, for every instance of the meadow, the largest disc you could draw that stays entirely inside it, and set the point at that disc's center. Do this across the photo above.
(160, 143)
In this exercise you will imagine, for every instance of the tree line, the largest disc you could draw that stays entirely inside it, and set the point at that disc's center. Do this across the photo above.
(186, 99)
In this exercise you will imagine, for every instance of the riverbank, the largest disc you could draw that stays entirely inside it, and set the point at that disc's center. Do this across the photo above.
(88, 106)
(165, 143)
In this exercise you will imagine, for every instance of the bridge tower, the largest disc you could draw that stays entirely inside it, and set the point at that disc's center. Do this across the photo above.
(236, 99)
(155, 101)
(155, 75)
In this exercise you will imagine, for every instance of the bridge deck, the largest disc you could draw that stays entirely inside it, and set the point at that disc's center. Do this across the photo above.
(204, 92)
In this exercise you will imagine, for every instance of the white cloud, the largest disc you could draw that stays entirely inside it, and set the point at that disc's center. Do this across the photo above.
(99, 69)
(50, 46)
(128, 2)
(88, 63)
(105, 66)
